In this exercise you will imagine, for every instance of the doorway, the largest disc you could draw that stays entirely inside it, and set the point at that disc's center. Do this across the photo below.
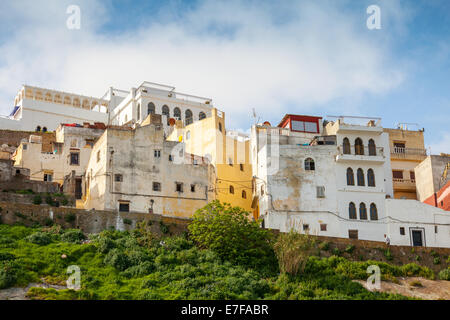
(78, 190)
(417, 237)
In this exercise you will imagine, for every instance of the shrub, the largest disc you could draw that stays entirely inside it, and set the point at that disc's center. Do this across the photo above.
(388, 254)
(117, 259)
(350, 248)
(49, 200)
(227, 231)
(163, 227)
(444, 274)
(39, 238)
(105, 244)
(48, 222)
(64, 201)
(437, 260)
(127, 221)
(70, 217)
(293, 250)
(73, 236)
(8, 276)
(336, 251)
(325, 246)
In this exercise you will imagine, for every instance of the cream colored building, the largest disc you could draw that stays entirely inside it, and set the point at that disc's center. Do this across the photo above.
(71, 152)
(135, 169)
(430, 175)
(407, 150)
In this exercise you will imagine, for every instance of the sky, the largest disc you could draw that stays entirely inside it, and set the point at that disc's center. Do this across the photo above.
(277, 57)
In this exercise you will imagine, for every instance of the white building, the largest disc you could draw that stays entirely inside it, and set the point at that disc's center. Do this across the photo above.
(37, 109)
(335, 180)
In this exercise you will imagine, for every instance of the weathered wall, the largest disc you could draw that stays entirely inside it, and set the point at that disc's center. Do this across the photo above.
(88, 221)
(13, 138)
(20, 183)
(428, 175)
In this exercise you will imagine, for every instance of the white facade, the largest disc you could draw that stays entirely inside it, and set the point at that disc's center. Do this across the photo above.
(320, 200)
(44, 109)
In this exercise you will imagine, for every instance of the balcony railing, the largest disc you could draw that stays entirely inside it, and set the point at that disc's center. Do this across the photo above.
(404, 183)
(360, 150)
(408, 153)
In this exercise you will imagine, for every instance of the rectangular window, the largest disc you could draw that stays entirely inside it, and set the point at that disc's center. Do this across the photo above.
(179, 187)
(323, 227)
(230, 161)
(48, 177)
(98, 156)
(304, 126)
(320, 192)
(241, 166)
(435, 229)
(192, 187)
(157, 153)
(170, 158)
(353, 234)
(397, 174)
(402, 231)
(311, 127)
(412, 176)
(156, 186)
(74, 159)
(118, 178)
(89, 143)
(305, 227)
(124, 206)
(25, 146)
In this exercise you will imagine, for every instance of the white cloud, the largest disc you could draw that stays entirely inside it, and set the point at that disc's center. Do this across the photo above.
(271, 56)
(443, 145)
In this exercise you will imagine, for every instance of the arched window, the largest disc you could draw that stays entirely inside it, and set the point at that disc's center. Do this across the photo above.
(359, 147)
(139, 111)
(370, 178)
(188, 117)
(360, 177)
(201, 115)
(244, 194)
(362, 211)
(309, 164)
(151, 108)
(346, 146)
(166, 112)
(352, 211)
(38, 128)
(231, 189)
(373, 212)
(177, 113)
(76, 102)
(44, 129)
(350, 177)
(372, 148)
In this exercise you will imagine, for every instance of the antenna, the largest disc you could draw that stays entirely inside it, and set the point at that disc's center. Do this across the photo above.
(254, 115)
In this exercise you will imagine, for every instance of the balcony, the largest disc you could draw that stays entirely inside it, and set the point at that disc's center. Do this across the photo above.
(366, 154)
(404, 184)
(401, 153)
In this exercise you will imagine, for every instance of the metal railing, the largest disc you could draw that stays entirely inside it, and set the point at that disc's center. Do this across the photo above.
(360, 150)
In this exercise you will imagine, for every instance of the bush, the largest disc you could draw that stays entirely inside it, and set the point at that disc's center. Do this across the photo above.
(8, 275)
(437, 260)
(105, 244)
(49, 200)
(37, 199)
(117, 259)
(388, 254)
(40, 238)
(228, 231)
(325, 246)
(163, 227)
(350, 248)
(293, 250)
(445, 274)
(73, 236)
(336, 251)
(48, 222)
(64, 201)
(127, 221)
(70, 217)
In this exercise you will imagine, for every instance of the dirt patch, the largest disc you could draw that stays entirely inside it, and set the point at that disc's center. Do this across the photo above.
(19, 293)
(416, 287)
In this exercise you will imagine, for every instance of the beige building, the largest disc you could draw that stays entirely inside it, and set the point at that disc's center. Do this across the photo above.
(430, 176)
(407, 150)
(71, 152)
(137, 170)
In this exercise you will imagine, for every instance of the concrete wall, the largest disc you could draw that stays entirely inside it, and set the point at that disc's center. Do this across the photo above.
(428, 176)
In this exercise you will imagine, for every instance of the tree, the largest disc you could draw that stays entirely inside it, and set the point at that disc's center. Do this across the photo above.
(228, 231)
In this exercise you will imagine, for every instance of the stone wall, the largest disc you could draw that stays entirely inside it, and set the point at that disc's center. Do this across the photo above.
(13, 138)
(20, 183)
(88, 221)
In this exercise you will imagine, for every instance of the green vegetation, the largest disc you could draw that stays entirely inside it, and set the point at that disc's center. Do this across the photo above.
(444, 274)
(239, 262)
(70, 217)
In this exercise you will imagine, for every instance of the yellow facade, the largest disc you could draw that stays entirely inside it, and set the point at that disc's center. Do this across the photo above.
(407, 150)
(228, 154)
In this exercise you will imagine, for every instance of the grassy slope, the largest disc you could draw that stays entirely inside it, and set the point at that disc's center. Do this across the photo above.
(121, 265)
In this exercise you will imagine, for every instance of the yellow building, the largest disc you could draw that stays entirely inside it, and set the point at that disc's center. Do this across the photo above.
(228, 153)
(407, 150)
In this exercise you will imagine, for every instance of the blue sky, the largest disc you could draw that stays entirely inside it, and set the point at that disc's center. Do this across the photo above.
(305, 57)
